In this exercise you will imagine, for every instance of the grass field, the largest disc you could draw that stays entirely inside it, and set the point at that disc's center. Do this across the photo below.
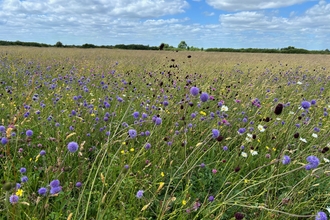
(115, 134)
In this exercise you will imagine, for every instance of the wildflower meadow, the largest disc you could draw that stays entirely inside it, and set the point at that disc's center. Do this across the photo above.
(112, 134)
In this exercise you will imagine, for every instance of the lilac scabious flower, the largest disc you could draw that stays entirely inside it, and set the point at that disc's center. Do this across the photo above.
(305, 105)
(22, 170)
(158, 121)
(24, 179)
(73, 147)
(211, 198)
(147, 133)
(215, 133)
(4, 141)
(241, 130)
(54, 183)
(313, 102)
(55, 190)
(194, 91)
(204, 97)
(313, 162)
(321, 216)
(147, 146)
(78, 184)
(2, 128)
(13, 199)
(136, 115)
(132, 133)
(42, 191)
(286, 160)
(42, 153)
(29, 133)
(139, 194)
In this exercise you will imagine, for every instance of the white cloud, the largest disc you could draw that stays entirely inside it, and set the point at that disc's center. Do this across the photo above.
(239, 5)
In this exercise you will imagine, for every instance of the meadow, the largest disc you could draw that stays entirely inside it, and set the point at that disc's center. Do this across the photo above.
(118, 134)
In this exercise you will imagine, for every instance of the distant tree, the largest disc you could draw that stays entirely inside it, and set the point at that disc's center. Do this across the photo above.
(183, 45)
(58, 44)
(161, 46)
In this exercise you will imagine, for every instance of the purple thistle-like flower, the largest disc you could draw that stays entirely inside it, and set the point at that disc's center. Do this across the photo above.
(147, 146)
(22, 170)
(321, 216)
(42, 191)
(305, 105)
(211, 198)
(29, 133)
(286, 159)
(241, 130)
(313, 102)
(73, 147)
(136, 115)
(2, 128)
(204, 97)
(4, 141)
(132, 133)
(55, 190)
(54, 183)
(13, 199)
(139, 194)
(313, 162)
(24, 179)
(158, 121)
(215, 133)
(42, 153)
(194, 91)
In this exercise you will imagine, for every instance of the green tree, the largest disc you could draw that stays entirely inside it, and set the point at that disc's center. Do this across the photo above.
(183, 45)
(58, 44)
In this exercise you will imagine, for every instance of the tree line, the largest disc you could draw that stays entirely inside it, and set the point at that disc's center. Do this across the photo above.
(163, 46)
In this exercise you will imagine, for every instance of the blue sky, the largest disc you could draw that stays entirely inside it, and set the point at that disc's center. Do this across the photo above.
(201, 23)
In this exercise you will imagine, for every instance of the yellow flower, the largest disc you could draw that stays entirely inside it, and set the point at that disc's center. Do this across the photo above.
(184, 202)
(19, 192)
(202, 113)
(123, 152)
(37, 157)
(162, 174)
(132, 149)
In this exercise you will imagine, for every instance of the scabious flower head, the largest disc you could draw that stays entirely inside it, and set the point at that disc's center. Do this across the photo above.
(42, 153)
(78, 184)
(204, 97)
(241, 131)
(55, 190)
(22, 170)
(147, 146)
(29, 133)
(321, 216)
(313, 162)
(194, 91)
(13, 199)
(139, 194)
(132, 133)
(305, 104)
(158, 121)
(211, 198)
(42, 191)
(136, 115)
(215, 133)
(313, 102)
(286, 159)
(24, 179)
(2, 128)
(54, 183)
(4, 140)
(73, 147)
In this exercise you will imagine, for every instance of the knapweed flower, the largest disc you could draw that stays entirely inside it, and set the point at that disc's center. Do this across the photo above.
(321, 216)
(239, 216)
(194, 91)
(204, 97)
(313, 162)
(278, 109)
(13, 199)
(132, 133)
(29, 133)
(305, 105)
(286, 159)
(215, 133)
(139, 194)
(42, 191)
(73, 147)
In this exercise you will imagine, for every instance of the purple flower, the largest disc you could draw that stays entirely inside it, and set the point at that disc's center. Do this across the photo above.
(215, 133)
(241, 130)
(13, 199)
(136, 115)
(4, 141)
(321, 216)
(313, 102)
(54, 183)
(24, 179)
(211, 198)
(132, 133)
(42, 153)
(313, 162)
(147, 146)
(29, 133)
(305, 105)
(286, 160)
(78, 184)
(2, 128)
(202, 165)
(147, 133)
(73, 147)
(158, 121)
(55, 190)
(22, 170)
(42, 191)
(194, 91)
(225, 148)
(204, 97)
(139, 194)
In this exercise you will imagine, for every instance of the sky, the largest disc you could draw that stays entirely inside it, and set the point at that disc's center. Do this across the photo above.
(200, 23)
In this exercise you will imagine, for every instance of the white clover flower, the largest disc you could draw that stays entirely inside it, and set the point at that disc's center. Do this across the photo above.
(244, 154)
(314, 135)
(326, 160)
(253, 152)
(224, 108)
(303, 140)
(261, 128)
(299, 83)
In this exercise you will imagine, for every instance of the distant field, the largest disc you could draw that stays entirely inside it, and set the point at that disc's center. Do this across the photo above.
(119, 134)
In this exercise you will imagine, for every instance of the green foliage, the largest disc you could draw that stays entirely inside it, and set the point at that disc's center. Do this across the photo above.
(183, 45)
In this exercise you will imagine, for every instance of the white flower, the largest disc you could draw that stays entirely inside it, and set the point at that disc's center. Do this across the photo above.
(328, 208)
(326, 160)
(291, 113)
(314, 135)
(261, 128)
(299, 83)
(244, 154)
(249, 137)
(278, 119)
(303, 140)
(253, 152)
(224, 108)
